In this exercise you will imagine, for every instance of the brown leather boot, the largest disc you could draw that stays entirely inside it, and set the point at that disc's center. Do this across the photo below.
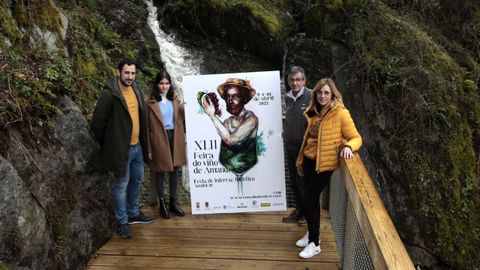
(163, 209)
(175, 209)
(293, 217)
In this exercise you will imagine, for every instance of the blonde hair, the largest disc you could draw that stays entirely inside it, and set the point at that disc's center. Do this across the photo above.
(336, 96)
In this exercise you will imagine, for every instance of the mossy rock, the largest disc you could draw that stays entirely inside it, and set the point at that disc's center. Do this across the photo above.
(314, 55)
(4, 266)
(424, 144)
(9, 26)
(420, 89)
(259, 27)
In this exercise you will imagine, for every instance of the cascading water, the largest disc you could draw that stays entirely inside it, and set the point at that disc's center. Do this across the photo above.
(178, 60)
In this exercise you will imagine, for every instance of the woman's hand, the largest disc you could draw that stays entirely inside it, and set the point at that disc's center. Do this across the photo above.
(346, 152)
(150, 156)
(208, 106)
(300, 171)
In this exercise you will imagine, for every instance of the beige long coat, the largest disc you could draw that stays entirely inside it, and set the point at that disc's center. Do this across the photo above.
(158, 145)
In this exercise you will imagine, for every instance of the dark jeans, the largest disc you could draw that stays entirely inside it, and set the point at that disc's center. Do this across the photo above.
(315, 183)
(297, 183)
(126, 189)
(160, 177)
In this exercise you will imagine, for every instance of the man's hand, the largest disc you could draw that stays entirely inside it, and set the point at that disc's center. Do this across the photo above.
(208, 106)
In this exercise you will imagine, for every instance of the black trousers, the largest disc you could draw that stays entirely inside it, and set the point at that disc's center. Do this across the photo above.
(297, 183)
(315, 183)
(160, 177)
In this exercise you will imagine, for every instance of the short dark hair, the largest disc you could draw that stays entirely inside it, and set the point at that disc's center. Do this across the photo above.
(125, 62)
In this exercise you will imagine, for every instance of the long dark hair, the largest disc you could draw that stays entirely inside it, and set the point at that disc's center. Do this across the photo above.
(163, 74)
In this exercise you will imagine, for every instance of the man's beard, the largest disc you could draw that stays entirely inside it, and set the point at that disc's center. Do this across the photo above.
(125, 83)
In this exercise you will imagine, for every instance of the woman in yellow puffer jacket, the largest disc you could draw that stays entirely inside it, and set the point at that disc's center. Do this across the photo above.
(330, 133)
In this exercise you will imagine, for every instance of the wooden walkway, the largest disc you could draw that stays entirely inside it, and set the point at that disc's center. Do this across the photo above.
(221, 241)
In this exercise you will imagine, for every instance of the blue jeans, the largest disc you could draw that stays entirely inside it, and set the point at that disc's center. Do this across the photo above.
(126, 189)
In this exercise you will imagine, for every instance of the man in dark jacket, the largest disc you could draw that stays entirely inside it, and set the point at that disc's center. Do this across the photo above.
(296, 100)
(119, 126)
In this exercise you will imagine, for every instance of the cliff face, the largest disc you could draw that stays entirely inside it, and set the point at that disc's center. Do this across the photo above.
(55, 206)
(409, 72)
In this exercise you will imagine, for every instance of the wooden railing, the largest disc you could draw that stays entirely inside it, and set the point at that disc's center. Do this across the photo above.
(384, 246)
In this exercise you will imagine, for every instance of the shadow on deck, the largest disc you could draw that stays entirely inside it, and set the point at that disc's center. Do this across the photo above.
(220, 241)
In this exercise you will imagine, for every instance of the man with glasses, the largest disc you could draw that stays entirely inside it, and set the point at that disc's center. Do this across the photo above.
(296, 100)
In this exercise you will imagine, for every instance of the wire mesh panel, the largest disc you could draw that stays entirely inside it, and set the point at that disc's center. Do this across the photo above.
(356, 255)
(338, 207)
(351, 245)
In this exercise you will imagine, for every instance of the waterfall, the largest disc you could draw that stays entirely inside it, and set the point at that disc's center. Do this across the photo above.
(178, 60)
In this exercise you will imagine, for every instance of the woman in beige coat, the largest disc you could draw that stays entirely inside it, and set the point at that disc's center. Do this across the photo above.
(330, 133)
(166, 140)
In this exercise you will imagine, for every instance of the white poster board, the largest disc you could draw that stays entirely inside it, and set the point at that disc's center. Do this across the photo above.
(225, 175)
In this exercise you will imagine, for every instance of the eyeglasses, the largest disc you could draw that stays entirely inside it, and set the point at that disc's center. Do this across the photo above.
(295, 79)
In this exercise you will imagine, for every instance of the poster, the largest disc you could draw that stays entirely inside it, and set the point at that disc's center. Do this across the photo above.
(234, 142)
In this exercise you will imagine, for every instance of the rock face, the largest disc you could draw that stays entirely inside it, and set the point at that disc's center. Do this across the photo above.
(25, 233)
(412, 91)
(55, 204)
(411, 83)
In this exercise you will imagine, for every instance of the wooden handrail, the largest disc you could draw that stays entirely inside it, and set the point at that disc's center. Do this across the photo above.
(383, 242)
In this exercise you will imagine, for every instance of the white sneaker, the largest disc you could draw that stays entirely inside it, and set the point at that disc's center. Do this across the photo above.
(310, 251)
(302, 242)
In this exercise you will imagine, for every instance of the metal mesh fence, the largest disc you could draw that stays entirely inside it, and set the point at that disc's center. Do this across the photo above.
(351, 246)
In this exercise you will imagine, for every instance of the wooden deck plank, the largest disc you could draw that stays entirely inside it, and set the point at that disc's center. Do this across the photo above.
(227, 241)
(135, 263)
(146, 231)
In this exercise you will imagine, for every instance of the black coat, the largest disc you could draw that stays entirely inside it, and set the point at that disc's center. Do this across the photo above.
(112, 126)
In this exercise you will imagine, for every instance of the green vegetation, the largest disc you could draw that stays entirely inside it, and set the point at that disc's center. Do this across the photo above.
(425, 117)
(34, 77)
(241, 24)
(4, 266)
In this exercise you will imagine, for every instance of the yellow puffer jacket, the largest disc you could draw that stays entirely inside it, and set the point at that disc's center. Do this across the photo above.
(335, 131)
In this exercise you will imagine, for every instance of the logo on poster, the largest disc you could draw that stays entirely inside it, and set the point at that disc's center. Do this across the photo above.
(241, 205)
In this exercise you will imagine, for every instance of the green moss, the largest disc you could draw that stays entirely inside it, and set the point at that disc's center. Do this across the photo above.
(430, 106)
(91, 4)
(4, 266)
(20, 14)
(48, 16)
(43, 13)
(9, 27)
(269, 18)
(259, 27)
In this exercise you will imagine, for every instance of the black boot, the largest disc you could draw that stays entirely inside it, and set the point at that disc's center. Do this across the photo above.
(175, 209)
(162, 209)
